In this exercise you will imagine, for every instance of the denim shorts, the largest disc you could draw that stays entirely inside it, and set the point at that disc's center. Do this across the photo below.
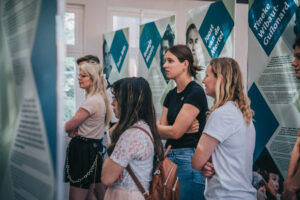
(192, 183)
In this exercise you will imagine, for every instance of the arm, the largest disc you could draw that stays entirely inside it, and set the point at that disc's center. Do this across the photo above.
(127, 148)
(111, 172)
(184, 120)
(112, 128)
(294, 159)
(78, 118)
(205, 148)
(163, 117)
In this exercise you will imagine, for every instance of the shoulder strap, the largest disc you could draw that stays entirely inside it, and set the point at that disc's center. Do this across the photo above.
(131, 173)
(147, 132)
(137, 182)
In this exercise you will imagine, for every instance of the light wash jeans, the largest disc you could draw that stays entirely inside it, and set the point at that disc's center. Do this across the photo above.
(192, 183)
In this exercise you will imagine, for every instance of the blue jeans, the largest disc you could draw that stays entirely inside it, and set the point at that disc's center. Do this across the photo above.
(192, 183)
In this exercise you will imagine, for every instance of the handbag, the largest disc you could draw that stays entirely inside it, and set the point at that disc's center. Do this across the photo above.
(165, 183)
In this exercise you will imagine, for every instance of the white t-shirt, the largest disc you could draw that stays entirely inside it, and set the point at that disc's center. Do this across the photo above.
(93, 127)
(233, 156)
(135, 147)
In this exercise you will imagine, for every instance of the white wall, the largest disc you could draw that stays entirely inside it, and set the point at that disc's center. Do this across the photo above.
(96, 22)
(241, 38)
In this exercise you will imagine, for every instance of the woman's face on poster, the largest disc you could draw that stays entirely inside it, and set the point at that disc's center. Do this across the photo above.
(273, 184)
(107, 61)
(193, 42)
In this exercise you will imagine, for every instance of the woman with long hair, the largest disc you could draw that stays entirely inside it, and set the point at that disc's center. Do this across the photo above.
(84, 153)
(183, 118)
(228, 137)
(130, 145)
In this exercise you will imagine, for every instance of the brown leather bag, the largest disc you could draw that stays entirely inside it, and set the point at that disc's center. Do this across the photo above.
(165, 183)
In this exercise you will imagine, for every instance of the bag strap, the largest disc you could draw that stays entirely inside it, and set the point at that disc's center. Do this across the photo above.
(147, 132)
(131, 173)
(137, 182)
(168, 148)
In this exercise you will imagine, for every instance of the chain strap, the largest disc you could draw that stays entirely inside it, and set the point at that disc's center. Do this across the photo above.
(94, 166)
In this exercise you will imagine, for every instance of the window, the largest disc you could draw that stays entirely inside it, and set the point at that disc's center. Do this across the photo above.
(133, 18)
(73, 40)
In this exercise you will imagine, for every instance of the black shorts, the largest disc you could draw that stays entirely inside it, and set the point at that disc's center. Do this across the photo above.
(83, 158)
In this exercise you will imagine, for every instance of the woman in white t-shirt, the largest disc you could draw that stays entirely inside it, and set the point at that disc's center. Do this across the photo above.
(228, 137)
(84, 154)
(130, 145)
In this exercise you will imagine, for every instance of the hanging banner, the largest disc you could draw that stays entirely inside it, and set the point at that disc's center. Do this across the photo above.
(115, 59)
(155, 38)
(28, 82)
(273, 88)
(210, 35)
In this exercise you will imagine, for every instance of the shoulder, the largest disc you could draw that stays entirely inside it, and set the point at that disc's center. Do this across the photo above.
(228, 113)
(136, 132)
(94, 102)
(224, 121)
(195, 95)
(169, 97)
(228, 106)
(194, 90)
(94, 99)
(195, 87)
(171, 92)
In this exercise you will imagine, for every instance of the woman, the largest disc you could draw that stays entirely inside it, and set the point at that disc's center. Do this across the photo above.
(130, 145)
(193, 42)
(183, 105)
(271, 176)
(229, 135)
(272, 186)
(84, 158)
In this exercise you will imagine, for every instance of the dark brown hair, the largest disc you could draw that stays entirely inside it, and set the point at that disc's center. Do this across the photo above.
(88, 58)
(135, 103)
(183, 52)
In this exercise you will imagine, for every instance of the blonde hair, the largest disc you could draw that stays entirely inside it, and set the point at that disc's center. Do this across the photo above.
(98, 86)
(230, 86)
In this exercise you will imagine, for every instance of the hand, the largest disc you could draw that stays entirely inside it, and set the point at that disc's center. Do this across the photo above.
(289, 192)
(112, 129)
(208, 169)
(73, 133)
(157, 123)
(120, 177)
(261, 193)
(194, 128)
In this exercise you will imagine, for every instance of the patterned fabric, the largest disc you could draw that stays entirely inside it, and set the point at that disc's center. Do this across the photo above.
(135, 147)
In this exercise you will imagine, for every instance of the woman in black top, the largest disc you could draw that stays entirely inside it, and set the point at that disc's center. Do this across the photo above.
(183, 119)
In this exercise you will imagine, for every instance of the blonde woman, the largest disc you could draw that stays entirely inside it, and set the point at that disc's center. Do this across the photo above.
(229, 136)
(84, 154)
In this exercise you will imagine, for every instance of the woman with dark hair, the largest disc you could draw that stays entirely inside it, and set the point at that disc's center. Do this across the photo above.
(183, 118)
(228, 137)
(267, 168)
(130, 145)
(272, 186)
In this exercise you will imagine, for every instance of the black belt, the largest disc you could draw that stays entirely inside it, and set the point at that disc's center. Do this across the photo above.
(86, 139)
